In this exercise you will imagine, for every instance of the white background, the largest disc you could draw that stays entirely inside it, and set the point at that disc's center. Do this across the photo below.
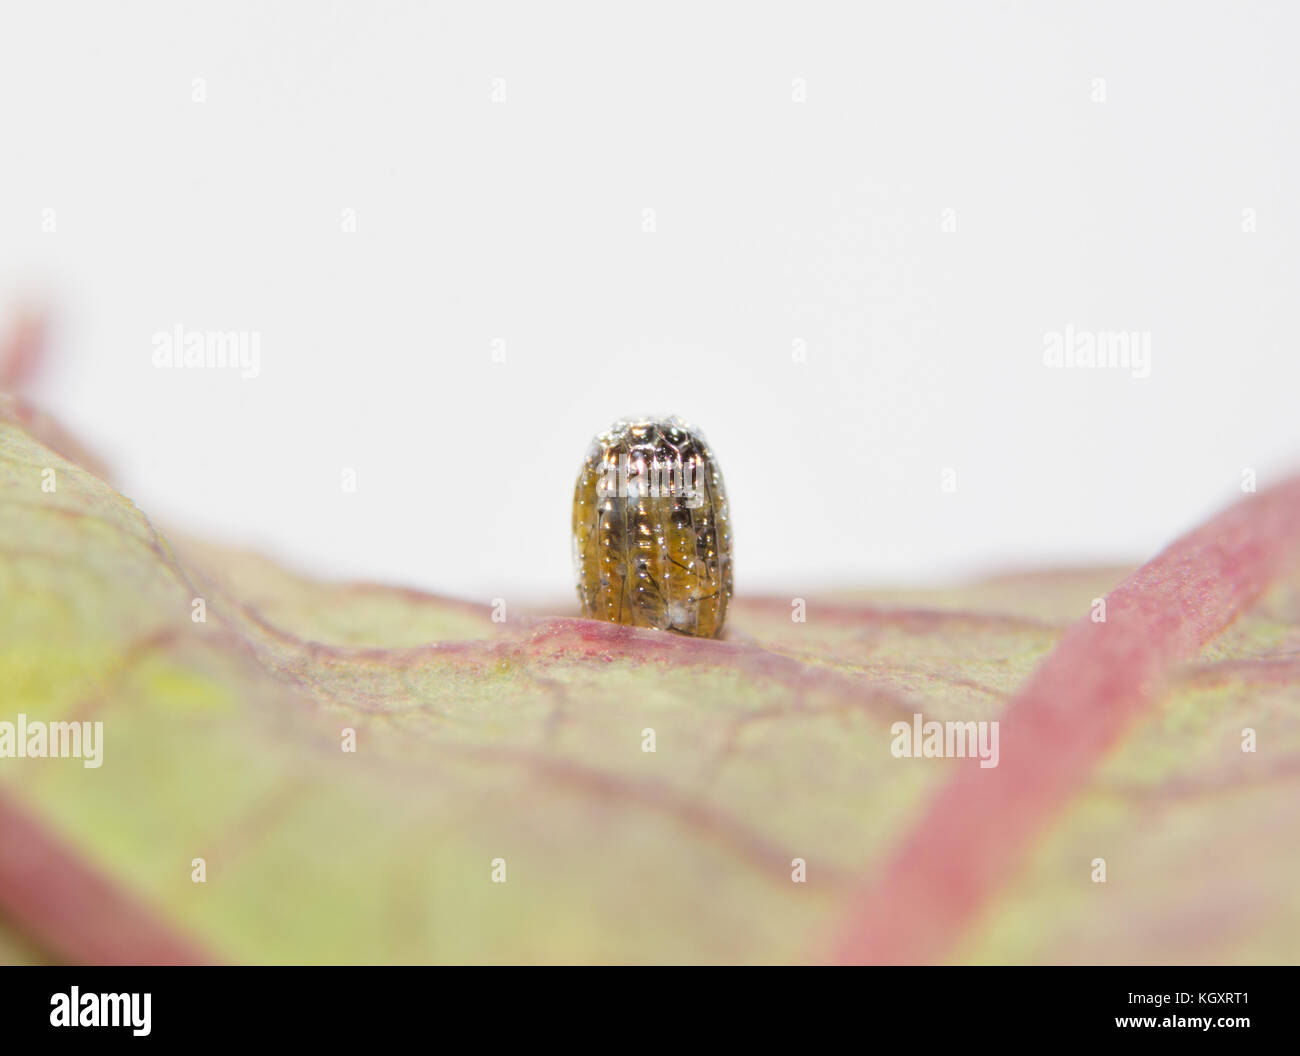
(776, 221)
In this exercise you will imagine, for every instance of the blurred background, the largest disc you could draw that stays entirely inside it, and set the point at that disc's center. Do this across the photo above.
(838, 237)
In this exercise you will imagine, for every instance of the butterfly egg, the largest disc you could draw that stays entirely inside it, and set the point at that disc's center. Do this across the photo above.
(651, 531)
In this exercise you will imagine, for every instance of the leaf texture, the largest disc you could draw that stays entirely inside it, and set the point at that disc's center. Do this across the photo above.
(523, 741)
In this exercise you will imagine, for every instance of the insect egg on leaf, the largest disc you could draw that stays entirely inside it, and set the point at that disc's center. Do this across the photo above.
(651, 529)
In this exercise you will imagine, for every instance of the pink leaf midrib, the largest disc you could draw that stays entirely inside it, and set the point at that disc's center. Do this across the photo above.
(974, 835)
(73, 911)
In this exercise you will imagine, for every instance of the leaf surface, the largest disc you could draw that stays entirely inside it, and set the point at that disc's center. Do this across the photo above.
(523, 741)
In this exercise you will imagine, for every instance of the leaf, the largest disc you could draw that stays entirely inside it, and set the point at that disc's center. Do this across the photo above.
(523, 741)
